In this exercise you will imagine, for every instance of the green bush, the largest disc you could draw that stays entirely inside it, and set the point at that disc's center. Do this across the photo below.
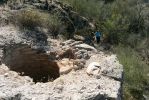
(135, 73)
(53, 24)
(87, 8)
(30, 19)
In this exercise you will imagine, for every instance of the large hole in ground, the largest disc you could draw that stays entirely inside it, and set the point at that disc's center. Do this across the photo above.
(29, 62)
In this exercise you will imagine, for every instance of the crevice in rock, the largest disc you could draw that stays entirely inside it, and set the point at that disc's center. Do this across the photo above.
(112, 77)
(30, 62)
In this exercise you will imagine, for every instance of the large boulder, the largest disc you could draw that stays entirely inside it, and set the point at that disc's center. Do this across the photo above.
(94, 69)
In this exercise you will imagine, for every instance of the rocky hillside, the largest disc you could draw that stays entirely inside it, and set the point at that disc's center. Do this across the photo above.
(67, 21)
(35, 66)
(69, 70)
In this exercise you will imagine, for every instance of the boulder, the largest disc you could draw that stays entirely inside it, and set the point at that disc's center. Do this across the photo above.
(94, 69)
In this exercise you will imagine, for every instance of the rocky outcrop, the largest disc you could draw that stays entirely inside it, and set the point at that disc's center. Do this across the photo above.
(81, 50)
(76, 85)
(67, 68)
(109, 66)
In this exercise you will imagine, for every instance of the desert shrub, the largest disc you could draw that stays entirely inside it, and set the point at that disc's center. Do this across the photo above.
(114, 24)
(120, 19)
(133, 40)
(54, 24)
(87, 8)
(30, 19)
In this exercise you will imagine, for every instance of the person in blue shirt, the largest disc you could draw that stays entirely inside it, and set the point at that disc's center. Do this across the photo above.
(98, 36)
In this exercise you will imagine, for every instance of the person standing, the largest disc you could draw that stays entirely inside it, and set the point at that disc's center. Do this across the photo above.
(98, 36)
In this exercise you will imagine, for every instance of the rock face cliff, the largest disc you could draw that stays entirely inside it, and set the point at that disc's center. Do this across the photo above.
(48, 69)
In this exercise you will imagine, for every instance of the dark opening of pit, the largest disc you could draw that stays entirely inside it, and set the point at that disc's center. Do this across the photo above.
(30, 62)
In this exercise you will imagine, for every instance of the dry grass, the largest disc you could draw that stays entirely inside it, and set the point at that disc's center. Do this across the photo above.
(30, 19)
(135, 73)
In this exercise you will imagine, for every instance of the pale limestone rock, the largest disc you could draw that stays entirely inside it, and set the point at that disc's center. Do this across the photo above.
(65, 66)
(93, 68)
(78, 84)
